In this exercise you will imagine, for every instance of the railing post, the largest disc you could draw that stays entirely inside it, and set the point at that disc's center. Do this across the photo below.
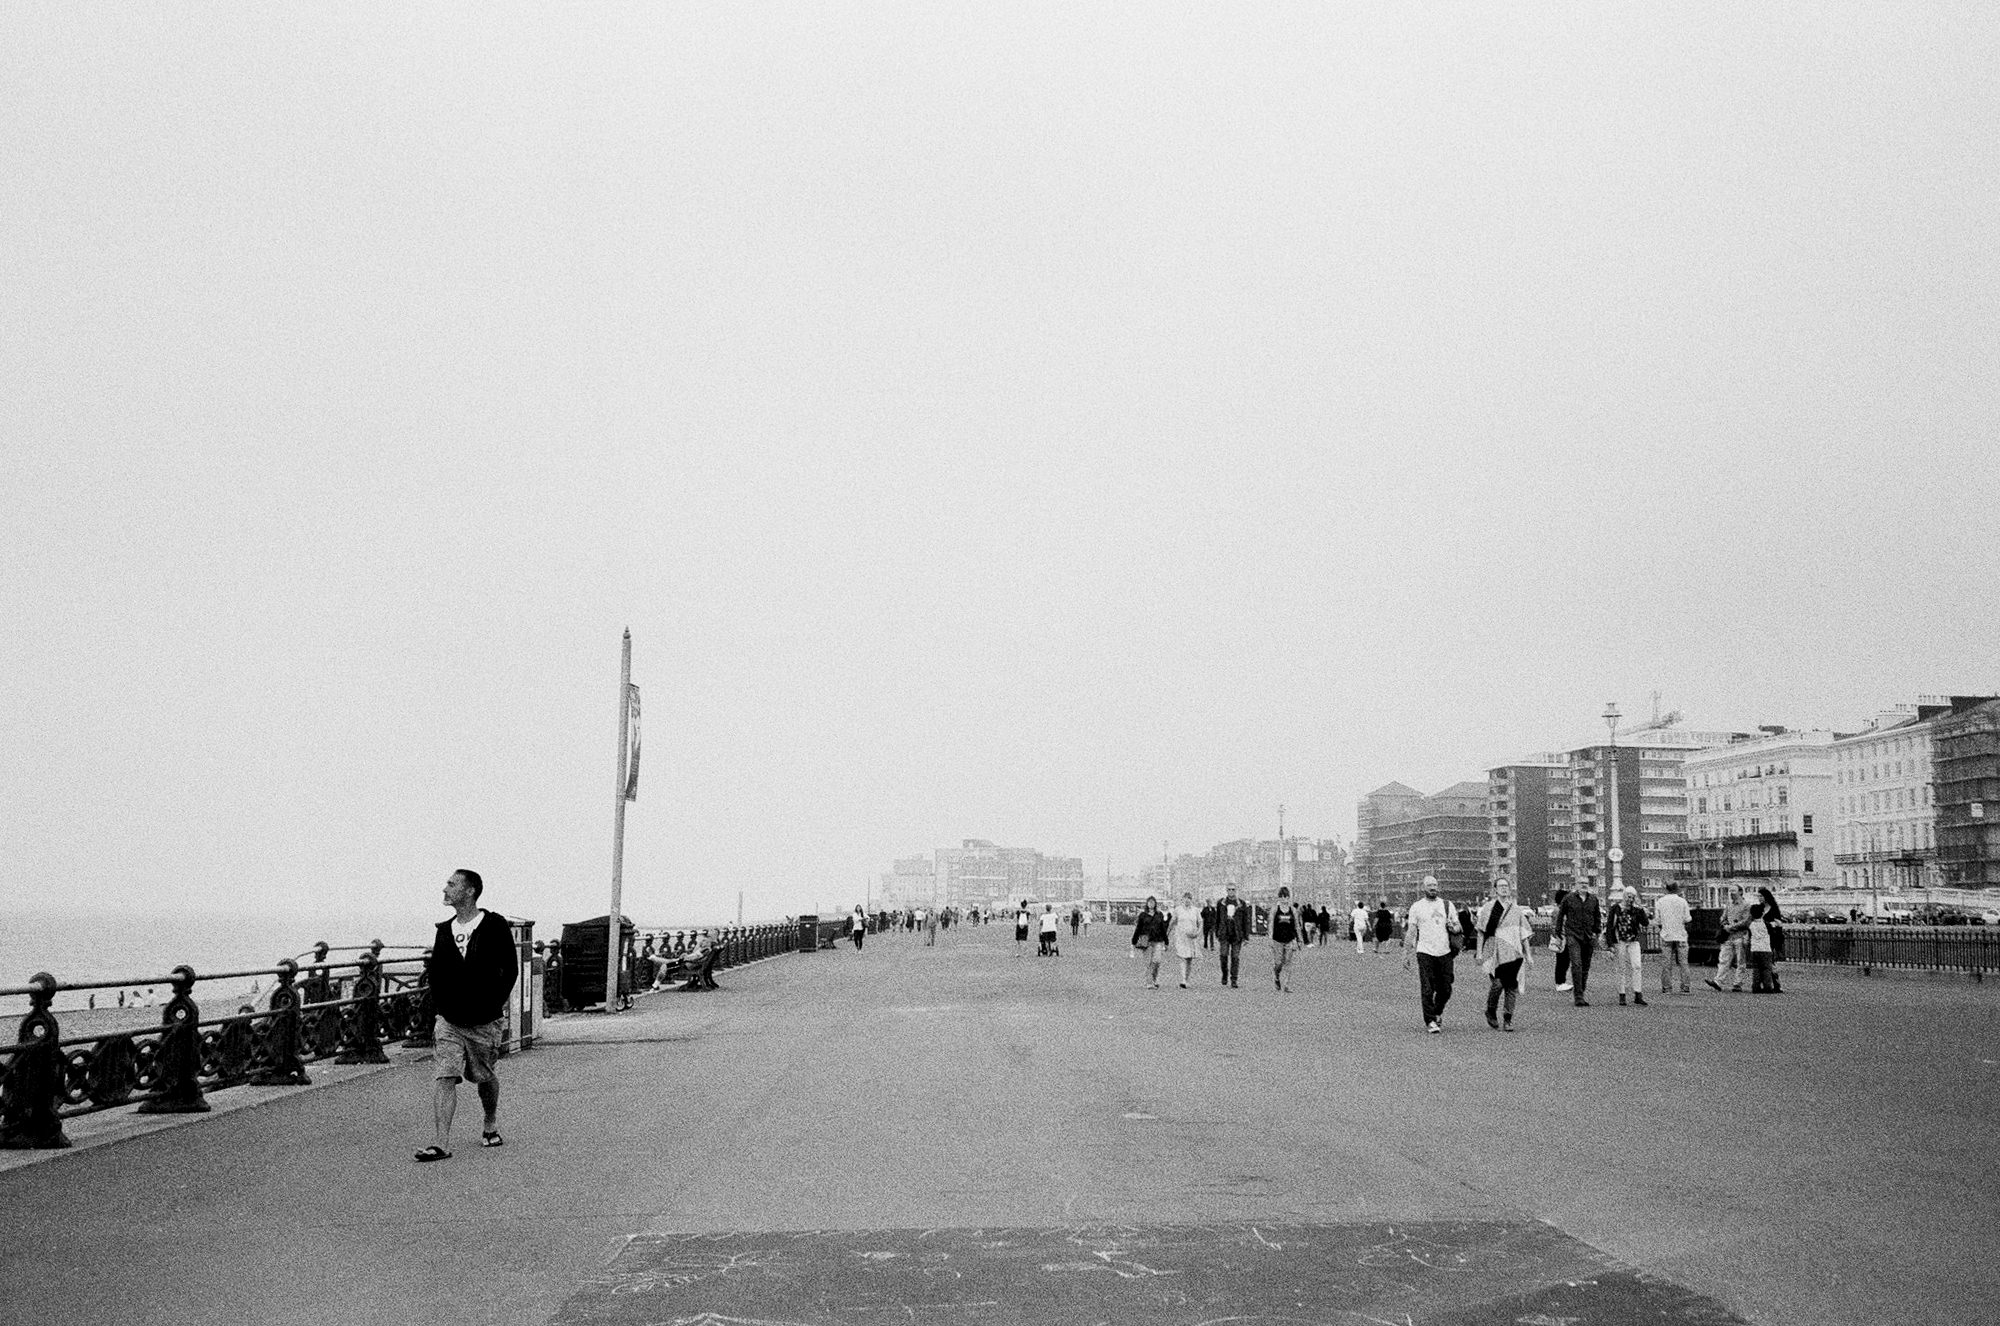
(178, 1077)
(286, 1069)
(423, 1022)
(31, 1086)
(364, 1043)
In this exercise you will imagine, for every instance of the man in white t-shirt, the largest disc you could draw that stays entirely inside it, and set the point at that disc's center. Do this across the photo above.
(1671, 911)
(1360, 919)
(1430, 926)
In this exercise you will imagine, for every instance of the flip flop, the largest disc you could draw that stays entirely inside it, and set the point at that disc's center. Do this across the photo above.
(491, 1139)
(430, 1153)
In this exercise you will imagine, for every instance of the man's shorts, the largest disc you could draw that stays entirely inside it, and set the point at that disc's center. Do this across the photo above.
(467, 1053)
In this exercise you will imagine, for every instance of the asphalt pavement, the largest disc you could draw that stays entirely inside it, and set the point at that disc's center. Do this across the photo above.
(963, 1134)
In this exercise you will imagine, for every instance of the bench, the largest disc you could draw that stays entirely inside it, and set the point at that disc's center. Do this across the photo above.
(693, 971)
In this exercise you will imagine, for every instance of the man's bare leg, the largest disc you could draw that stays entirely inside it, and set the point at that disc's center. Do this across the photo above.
(445, 1106)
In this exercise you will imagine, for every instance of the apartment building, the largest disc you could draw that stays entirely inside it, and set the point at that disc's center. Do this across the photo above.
(1531, 819)
(1761, 815)
(1885, 809)
(980, 874)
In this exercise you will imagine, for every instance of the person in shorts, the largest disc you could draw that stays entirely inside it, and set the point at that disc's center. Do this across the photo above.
(471, 971)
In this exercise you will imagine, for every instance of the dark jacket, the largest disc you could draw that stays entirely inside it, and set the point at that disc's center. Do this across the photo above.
(1627, 924)
(1382, 923)
(1236, 931)
(470, 990)
(1582, 917)
(1153, 926)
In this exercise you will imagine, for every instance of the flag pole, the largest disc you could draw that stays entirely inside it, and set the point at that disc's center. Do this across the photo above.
(613, 924)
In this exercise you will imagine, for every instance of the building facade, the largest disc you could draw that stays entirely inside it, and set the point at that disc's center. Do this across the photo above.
(1531, 826)
(980, 874)
(1966, 774)
(1885, 808)
(1411, 836)
(1761, 815)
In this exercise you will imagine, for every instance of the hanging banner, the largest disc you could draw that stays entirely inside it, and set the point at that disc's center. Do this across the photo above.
(632, 744)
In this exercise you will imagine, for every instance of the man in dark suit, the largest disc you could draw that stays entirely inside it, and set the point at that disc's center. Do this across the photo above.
(1232, 927)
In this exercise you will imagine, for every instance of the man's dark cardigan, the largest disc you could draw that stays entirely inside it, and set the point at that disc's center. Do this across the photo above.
(470, 990)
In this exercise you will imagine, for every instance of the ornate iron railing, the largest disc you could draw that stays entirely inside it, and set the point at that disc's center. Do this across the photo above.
(46, 1078)
(658, 954)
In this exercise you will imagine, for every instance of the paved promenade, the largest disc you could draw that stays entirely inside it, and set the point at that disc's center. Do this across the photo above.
(956, 1134)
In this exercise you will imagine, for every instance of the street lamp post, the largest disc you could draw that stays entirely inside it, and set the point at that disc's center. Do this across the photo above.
(1616, 855)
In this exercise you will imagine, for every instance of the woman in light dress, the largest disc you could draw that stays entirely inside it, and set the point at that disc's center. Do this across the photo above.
(1185, 928)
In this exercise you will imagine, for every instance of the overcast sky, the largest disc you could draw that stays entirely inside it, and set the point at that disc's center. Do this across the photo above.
(1076, 426)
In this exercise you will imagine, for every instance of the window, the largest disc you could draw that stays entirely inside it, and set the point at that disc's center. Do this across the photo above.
(1805, 826)
(1784, 799)
(1809, 863)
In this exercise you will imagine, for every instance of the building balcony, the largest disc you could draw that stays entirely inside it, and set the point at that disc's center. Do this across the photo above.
(1907, 856)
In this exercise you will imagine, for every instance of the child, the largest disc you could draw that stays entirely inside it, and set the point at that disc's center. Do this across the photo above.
(1763, 979)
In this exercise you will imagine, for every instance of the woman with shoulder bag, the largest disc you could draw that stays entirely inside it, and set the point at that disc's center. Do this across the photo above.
(1504, 933)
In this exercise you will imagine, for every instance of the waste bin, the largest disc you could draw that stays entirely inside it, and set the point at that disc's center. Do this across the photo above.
(808, 933)
(583, 960)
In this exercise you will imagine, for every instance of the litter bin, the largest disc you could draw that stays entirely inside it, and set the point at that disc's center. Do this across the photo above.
(808, 933)
(583, 960)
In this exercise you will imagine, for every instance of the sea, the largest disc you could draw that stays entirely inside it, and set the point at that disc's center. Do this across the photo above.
(139, 949)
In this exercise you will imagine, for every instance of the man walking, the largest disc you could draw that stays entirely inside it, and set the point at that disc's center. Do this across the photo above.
(1733, 958)
(1359, 920)
(471, 971)
(1672, 913)
(1232, 927)
(1287, 936)
(1431, 923)
(1208, 925)
(1581, 920)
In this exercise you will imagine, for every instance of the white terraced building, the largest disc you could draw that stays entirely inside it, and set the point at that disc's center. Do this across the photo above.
(1760, 814)
(1885, 813)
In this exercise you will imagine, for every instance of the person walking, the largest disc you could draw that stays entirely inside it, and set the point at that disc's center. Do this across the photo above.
(1287, 937)
(1185, 926)
(1559, 946)
(1075, 921)
(1625, 931)
(471, 970)
(1021, 920)
(1433, 926)
(1208, 925)
(1758, 941)
(1672, 913)
(1774, 920)
(1149, 937)
(1732, 959)
(1050, 949)
(1581, 920)
(1385, 924)
(1504, 933)
(1232, 927)
(857, 927)
(1361, 925)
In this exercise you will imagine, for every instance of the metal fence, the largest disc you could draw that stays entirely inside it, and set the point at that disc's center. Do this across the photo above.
(1954, 948)
(343, 1011)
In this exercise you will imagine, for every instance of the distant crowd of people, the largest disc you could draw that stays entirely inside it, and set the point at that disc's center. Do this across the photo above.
(1432, 933)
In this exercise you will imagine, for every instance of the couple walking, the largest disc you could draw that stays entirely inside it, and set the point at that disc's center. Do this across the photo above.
(1182, 927)
(1501, 932)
